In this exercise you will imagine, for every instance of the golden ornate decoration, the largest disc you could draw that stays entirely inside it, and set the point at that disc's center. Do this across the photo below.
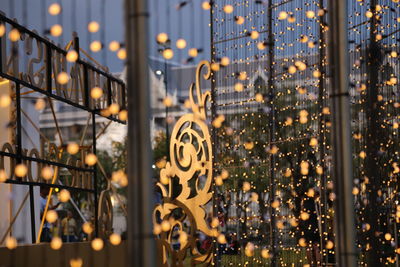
(185, 184)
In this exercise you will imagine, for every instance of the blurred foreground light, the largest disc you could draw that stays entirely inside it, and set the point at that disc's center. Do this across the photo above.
(11, 242)
(47, 172)
(121, 54)
(87, 228)
(64, 195)
(78, 262)
(2, 29)
(113, 108)
(56, 243)
(181, 43)
(72, 56)
(193, 52)
(40, 104)
(93, 26)
(206, 5)
(168, 53)
(228, 9)
(14, 35)
(96, 92)
(162, 37)
(3, 176)
(20, 170)
(115, 239)
(123, 115)
(63, 77)
(54, 9)
(114, 46)
(97, 244)
(90, 159)
(5, 101)
(72, 148)
(56, 30)
(96, 46)
(51, 216)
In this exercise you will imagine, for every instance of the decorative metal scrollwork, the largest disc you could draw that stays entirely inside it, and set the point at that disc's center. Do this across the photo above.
(186, 183)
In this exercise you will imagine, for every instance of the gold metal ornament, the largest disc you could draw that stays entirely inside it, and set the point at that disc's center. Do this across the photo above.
(186, 184)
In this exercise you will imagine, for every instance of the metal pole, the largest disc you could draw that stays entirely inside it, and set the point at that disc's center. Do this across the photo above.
(342, 157)
(141, 244)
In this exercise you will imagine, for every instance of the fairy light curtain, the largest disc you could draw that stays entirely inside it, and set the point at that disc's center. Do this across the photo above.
(274, 194)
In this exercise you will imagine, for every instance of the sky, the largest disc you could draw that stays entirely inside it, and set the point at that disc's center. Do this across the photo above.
(190, 22)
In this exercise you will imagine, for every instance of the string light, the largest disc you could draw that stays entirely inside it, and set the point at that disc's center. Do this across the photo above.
(56, 30)
(72, 56)
(93, 26)
(54, 9)
(114, 46)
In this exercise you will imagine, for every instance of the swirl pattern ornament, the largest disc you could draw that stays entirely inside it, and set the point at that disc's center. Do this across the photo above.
(186, 185)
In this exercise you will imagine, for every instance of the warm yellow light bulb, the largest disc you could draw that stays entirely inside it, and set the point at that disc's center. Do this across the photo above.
(123, 115)
(3, 176)
(97, 244)
(249, 249)
(265, 253)
(90, 159)
(228, 9)
(239, 20)
(54, 9)
(316, 74)
(221, 239)
(96, 92)
(63, 77)
(193, 52)
(2, 29)
(20, 170)
(167, 101)
(246, 186)
(11, 242)
(56, 243)
(261, 45)
(369, 14)
(40, 104)
(51, 216)
(5, 101)
(181, 43)
(64, 195)
(115, 239)
(72, 56)
(219, 181)
(168, 53)
(87, 228)
(96, 46)
(225, 61)
(72, 148)
(239, 87)
(162, 37)
(121, 54)
(282, 15)
(254, 35)
(56, 30)
(93, 26)
(114, 46)
(206, 5)
(113, 109)
(14, 35)
(47, 172)
(310, 14)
